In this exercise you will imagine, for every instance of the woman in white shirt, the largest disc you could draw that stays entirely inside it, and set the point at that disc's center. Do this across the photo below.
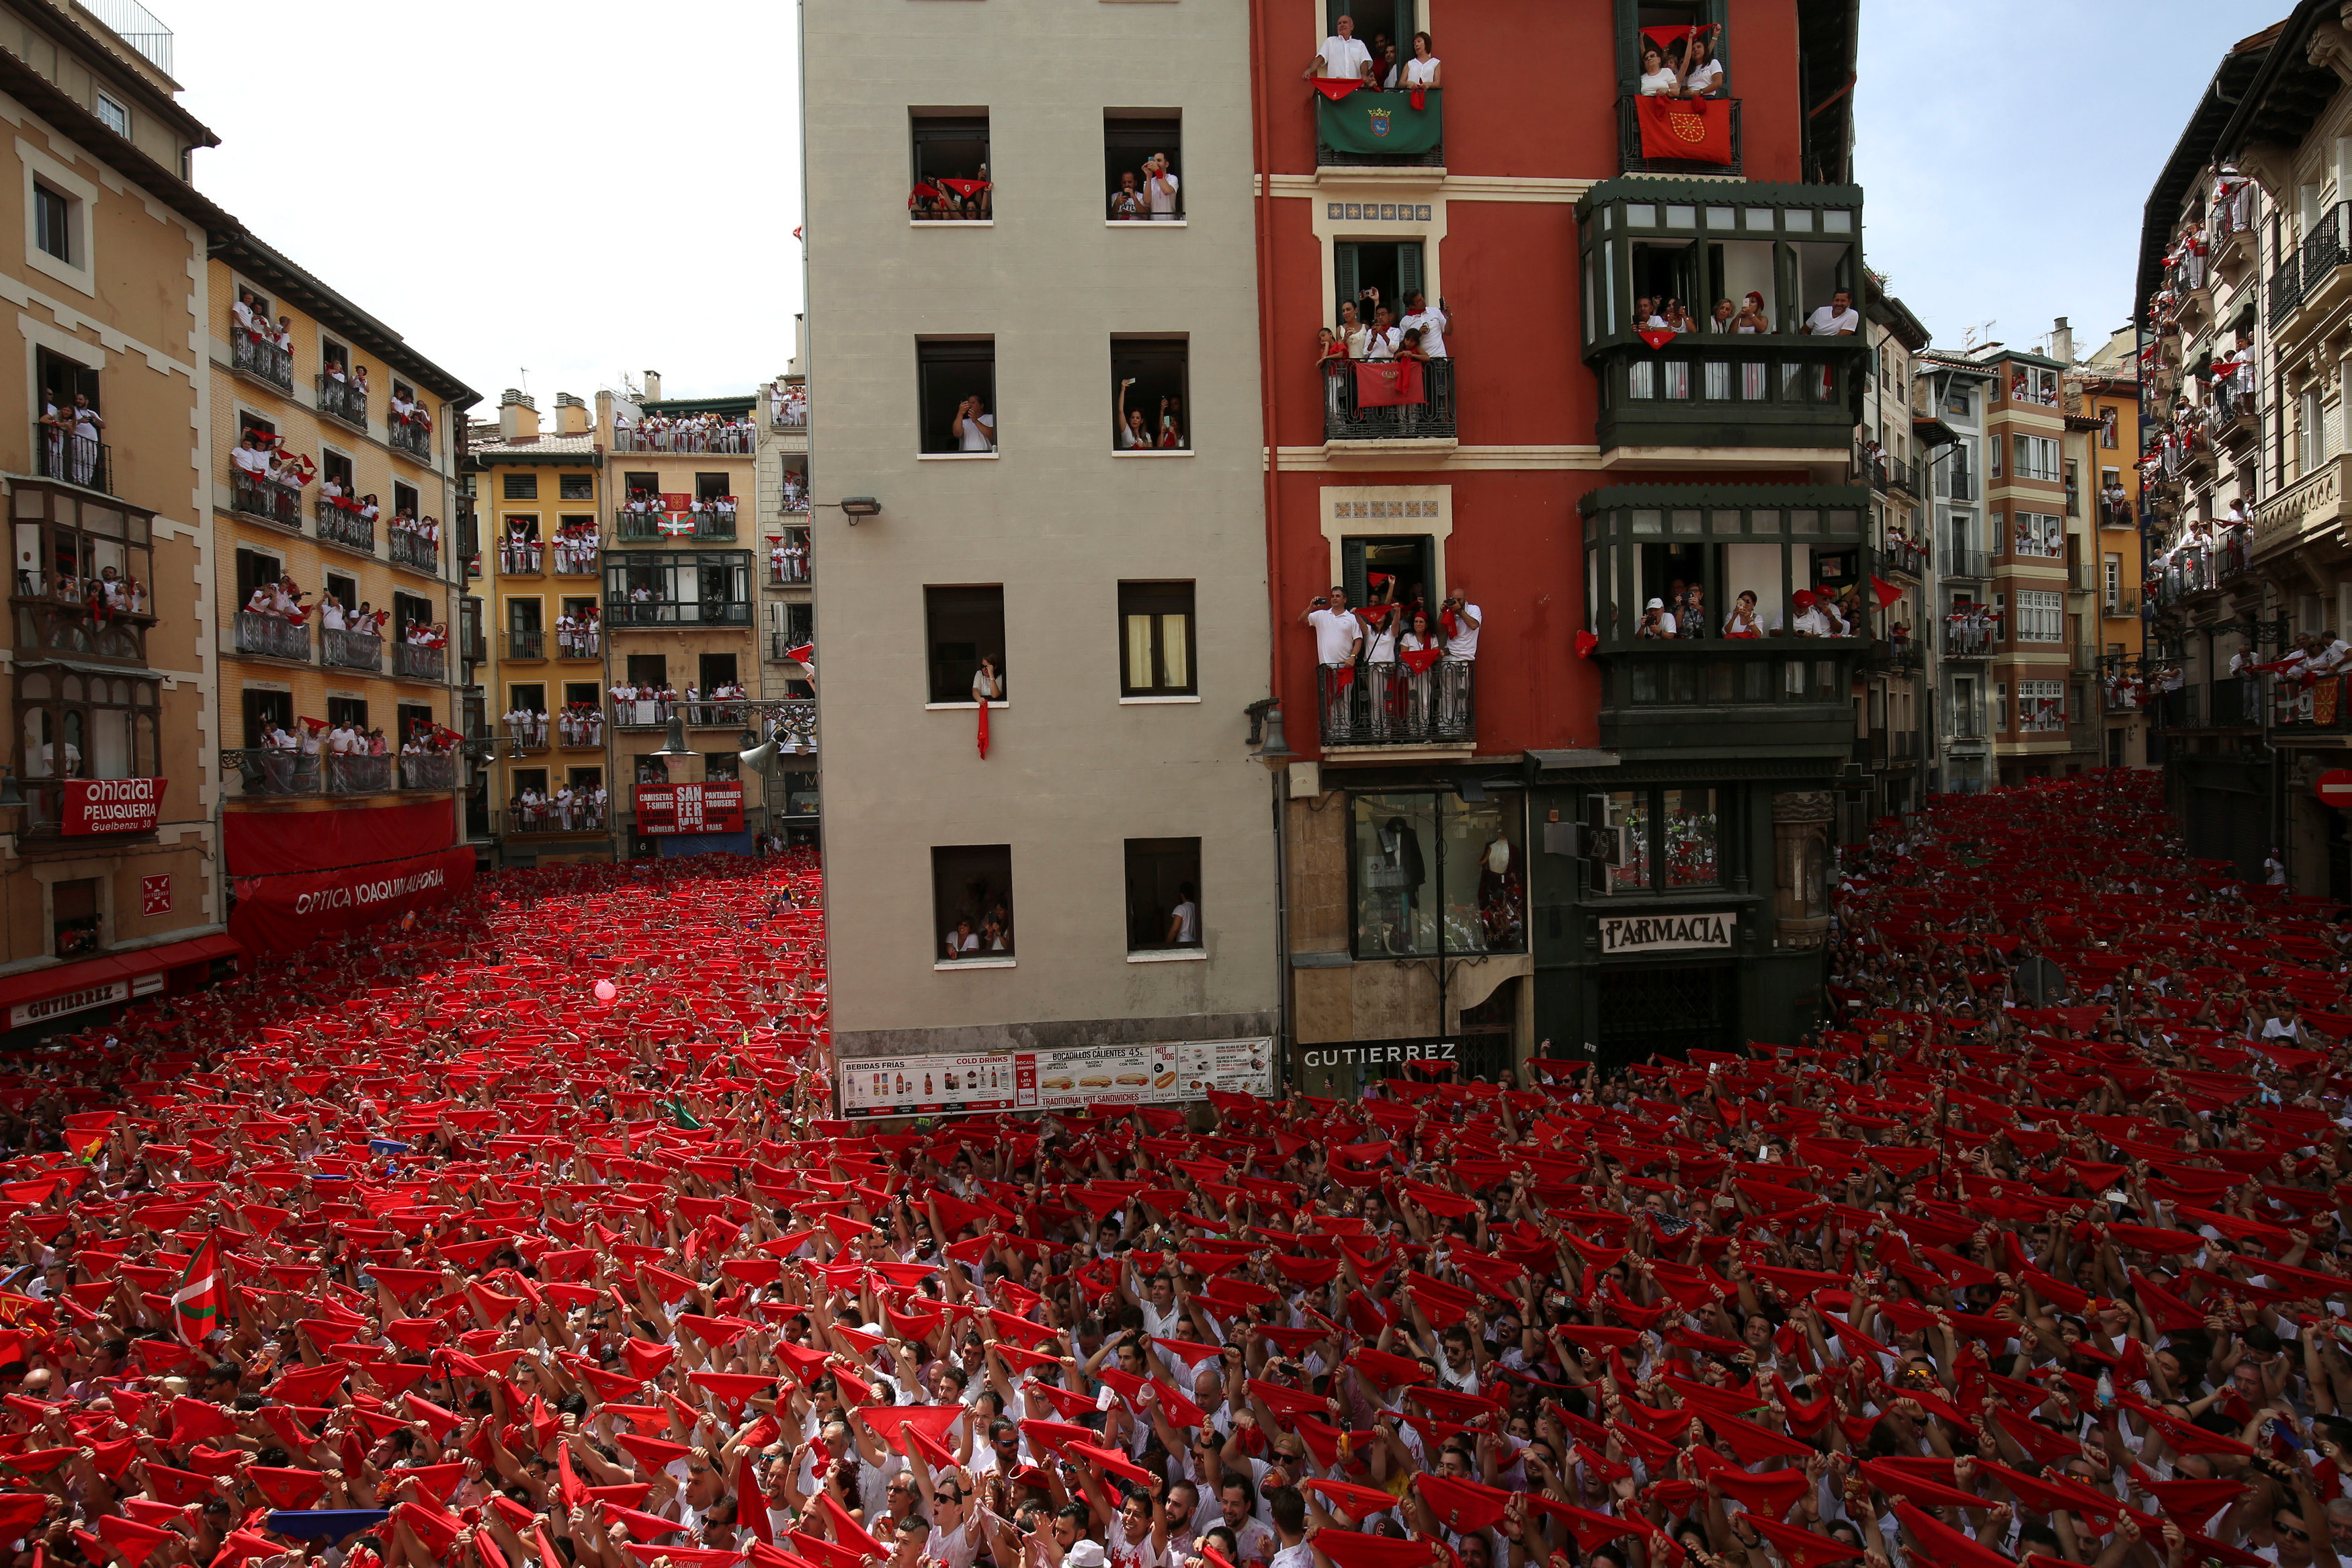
(1131, 436)
(1657, 81)
(1381, 645)
(1702, 72)
(1422, 70)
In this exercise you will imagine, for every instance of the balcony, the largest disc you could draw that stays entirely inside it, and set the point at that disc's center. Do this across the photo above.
(2083, 577)
(436, 770)
(627, 614)
(60, 455)
(1403, 427)
(2311, 511)
(1783, 694)
(708, 714)
(527, 557)
(54, 625)
(788, 413)
(794, 501)
(268, 770)
(2284, 292)
(634, 527)
(340, 398)
(547, 820)
(1960, 487)
(1895, 655)
(1393, 705)
(411, 437)
(791, 725)
(259, 497)
(2322, 707)
(726, 441)
(578, 555)
(342, 524)
(788, 560)
(416, 662)
(526, 645)
(271, 637)
(413, 548)
(1370, 130)
(1967, 565)
(1905, 556)
(1970, 641)
(2115, 514)
(351, 650)
(2234, 557)
(1870, 465)
(261, 359)
(1632, 159)
(1764, 391)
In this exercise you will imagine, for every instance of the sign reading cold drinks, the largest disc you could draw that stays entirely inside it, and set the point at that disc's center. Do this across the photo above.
(690, 807)
(111, 805)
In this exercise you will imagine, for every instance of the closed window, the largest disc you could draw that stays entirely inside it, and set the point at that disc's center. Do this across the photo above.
(522, 486)
(1156, 639)
(963, 643)
(113, 116)
(2040, 616)
(1434, 871)
(2034, 456)
(53, 223)
(1163, 894)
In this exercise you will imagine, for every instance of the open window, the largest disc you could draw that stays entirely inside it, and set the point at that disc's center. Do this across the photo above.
(1392, 582)
(1143, 163)
(69, 447)
(716, 670)
(964, 642)
(971, 903)
(1385, 26)
(1374, 276)
(265, 712)
(347, 712)
(1150, 395)
(1163, 895)
(1156, 639)
(956, 392)
(951, 178)
(648, 670)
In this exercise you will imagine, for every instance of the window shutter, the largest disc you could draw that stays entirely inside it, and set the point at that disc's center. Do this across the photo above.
(1343, 274)
(1408, 276)
(1352, 571)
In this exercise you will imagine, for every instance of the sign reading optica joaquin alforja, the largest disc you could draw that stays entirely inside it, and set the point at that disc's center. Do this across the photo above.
(1160, 1074)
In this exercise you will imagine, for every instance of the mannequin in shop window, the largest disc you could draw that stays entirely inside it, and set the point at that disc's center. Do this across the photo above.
(1499, 892)
(1397, 873)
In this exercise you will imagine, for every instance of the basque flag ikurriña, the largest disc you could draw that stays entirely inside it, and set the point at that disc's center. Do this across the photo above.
(197, 1304)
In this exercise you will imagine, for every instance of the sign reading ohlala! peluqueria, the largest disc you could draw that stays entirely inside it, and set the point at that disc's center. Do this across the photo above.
(111, 805)
(1665, 933)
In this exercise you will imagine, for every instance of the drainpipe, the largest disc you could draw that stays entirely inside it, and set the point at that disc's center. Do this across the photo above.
(1268, 410)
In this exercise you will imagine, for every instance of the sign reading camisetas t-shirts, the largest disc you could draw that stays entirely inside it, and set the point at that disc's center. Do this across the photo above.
(690, 807)
(1662, 932)
(1162, 1073)
(111, 805)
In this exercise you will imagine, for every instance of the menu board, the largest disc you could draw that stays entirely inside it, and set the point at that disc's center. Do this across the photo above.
(1158, 1073)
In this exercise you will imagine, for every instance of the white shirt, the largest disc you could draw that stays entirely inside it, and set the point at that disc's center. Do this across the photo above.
(1163, 202)
(1345, 57)
(1419, 72)
(1379, 345)
(1823, 322)
(1432, 322)
(1703, 77)
(1337, 632)
(980, 434)
(1658, 82)
(1464, 643)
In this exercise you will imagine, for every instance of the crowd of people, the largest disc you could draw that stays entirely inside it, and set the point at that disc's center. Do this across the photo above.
(1374, 64)
(788, 403)
(646, 703)
(788, 556)
(648, 504)
(1749, 314)
(71, 438)
(720, 433)
(1148, 194)
(1825, 610)
(566, 809)
(577, 549)
(526, 1236)
(579, 633)
(103, 596)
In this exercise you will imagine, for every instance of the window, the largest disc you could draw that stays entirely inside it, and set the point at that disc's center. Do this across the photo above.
(1148, 394)
(256, 568)
(955, 381)
(648, 670)
(707, 588)
(2038, 536)
(1155, 650)
(1993, 445)
(1956, 400)
(113, 116)
(721, 766)
(530, 697)
(2036, 456)
(962, 627)
(1163, 895)
(412, 720)
(65, 543)
(53, 223)
(1675, 839)
(716, 670)
(73, 914)
(2074, 489)
(1143, 165)
(2040, 706)
(347, 712)
(2040, 616)
(346, 588)
(266, 711)
(971, 903)
(951, 168)
(1431, 869)
(72, 723)
(405, 499)
(521, 488)
(1392, 268)
(2111, 582)
(575, 486)
(711, 486)
(336, 466)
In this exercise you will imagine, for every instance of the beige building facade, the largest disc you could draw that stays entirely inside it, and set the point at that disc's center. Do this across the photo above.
(1105, 865)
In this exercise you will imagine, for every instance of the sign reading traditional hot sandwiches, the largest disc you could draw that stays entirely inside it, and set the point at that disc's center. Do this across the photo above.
(1664, 933)
(1162, 1073)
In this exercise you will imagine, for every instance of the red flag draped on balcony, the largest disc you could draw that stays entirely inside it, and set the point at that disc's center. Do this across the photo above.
(1695, 129)
(1385, 383)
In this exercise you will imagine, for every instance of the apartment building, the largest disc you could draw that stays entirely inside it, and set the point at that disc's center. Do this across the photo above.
(1036, 638)
(1897, 445)
(2103, 501)
(788, 794)
(541, 508)
(1958, 392)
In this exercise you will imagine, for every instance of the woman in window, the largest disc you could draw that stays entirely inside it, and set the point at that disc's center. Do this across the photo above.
(1657, 81)
(1702, 72)
(1171, 423)
(1131, 436)
(1742, 621)
(1752, 318)
(1678, 320)
(1423, 72)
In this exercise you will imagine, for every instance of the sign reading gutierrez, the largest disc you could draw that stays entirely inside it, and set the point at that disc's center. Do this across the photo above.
(111, 805)
(1659, 933)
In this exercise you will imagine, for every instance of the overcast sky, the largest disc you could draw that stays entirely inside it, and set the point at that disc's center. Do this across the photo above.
(1997, 187)
(585, 190)
(558, 196)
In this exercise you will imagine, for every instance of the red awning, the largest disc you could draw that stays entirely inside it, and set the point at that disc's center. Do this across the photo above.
(90, 973)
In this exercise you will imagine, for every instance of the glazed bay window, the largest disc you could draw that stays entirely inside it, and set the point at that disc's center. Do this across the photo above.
(2034, 458)
(78, 724)
(1721, 574)
(1433, 873)
(701, 588)
(2041, 707)
(2041, 616)
(1156, 639)
(2038, 536)
(1675, 841)
(83, 576)
(971, 904)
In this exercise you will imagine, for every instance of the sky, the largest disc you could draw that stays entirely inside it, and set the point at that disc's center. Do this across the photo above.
(543, 197)
(1996, 188)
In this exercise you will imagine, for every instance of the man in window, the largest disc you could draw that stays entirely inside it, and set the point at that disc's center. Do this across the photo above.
(1432, 323)
(1342, 57)
(1128, 204)
(1838, 319)
(1159, 187)
(1185, 920)
(973, 427)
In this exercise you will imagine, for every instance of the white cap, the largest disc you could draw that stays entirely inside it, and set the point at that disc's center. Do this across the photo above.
(1655, 604)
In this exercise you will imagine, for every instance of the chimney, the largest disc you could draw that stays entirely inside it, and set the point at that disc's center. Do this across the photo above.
(571, 415)
(518, 416)
(799, 346)
(653, 386)
(2062, 342)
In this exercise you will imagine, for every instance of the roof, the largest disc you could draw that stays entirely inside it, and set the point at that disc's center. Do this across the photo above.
(579, 450)
(119, 152)
(1892, 313)
(2291, 91)
(2207, 122)
(245, 251)
(1952, 359)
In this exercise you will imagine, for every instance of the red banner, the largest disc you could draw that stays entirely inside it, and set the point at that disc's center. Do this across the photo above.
(276, 914)
(269, 843)
(1694, 130)
(111, 805)
(1384, 383)
(690, 807)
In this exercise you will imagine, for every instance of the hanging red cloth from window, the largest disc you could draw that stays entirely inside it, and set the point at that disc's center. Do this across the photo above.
(983, 730)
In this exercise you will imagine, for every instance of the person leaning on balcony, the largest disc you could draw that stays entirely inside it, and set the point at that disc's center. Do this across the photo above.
(1424, 69)
(1337, 632)
(1342, 57)
(1383, 341)
(1838, 319)
(987, 685)
(1657, 620)
(973, 427)
(1657, 79)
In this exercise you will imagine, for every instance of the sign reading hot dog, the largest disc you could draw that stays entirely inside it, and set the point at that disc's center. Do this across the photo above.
(1159, 1072)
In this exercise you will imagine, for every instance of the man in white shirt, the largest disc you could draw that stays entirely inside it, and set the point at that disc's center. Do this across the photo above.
(1159, 186)
(1462, 638)
(1432, 323)
(1385, 337)
(973, 427)
(1343, 56)
(1838, 319)
(1185, 920)
(1810, 621)
(1337, 632)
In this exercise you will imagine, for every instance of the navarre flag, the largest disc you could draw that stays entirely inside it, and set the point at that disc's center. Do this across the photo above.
(197, 1304)
(1692, 130)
